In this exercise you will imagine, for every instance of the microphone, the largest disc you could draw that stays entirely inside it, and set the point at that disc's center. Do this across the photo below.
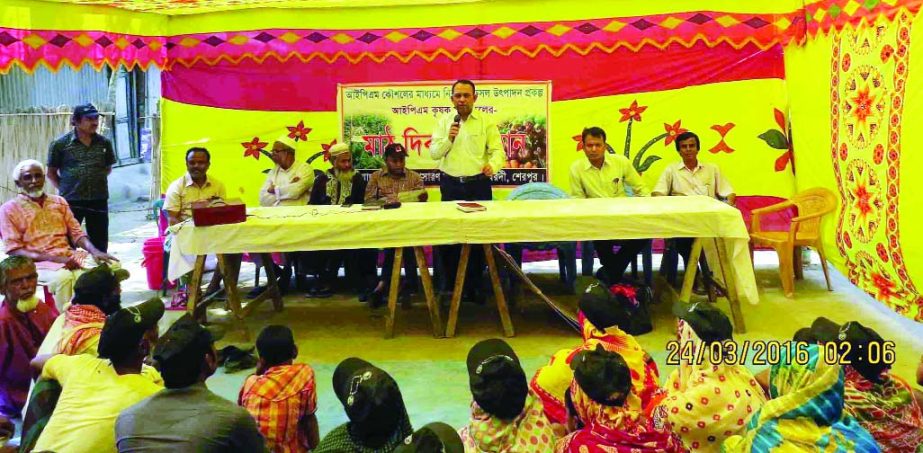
(457, 120)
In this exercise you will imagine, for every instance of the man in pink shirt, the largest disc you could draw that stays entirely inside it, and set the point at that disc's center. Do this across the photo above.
(41, 227)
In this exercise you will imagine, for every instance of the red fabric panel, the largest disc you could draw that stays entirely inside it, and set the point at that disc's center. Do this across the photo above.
(295, 85)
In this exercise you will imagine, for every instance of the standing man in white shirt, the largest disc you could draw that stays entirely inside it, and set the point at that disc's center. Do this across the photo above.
(469, 151)
(691, 177)
(289, 183)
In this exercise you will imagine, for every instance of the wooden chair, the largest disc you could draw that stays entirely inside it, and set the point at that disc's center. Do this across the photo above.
(813, 205)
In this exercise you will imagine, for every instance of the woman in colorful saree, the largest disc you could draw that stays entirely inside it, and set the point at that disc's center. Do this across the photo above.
(883, 403)
(600, 393)
(708, 401)
(600, 322)
(805, 411)
(505, 417)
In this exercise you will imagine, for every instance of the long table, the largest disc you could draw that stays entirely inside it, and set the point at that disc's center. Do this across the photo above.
(306, 228)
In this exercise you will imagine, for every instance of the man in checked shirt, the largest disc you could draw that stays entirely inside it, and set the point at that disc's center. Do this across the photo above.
(395, 183)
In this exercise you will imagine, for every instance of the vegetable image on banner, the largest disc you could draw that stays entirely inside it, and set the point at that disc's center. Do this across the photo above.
(374, 116)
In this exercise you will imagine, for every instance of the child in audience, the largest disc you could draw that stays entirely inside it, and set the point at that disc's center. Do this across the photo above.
(505, 417)
(282, 395)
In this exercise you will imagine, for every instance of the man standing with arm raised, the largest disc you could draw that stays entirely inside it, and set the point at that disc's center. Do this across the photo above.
(469, 151)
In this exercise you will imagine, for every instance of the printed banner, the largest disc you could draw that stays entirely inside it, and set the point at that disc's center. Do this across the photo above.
(373, 116)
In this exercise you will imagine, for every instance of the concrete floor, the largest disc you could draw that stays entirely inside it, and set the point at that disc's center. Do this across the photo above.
(431, 372)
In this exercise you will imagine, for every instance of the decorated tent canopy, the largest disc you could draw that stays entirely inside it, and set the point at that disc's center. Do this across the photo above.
(784, 95)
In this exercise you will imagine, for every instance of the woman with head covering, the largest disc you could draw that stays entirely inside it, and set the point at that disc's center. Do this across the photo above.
(805, 411)
(504, 416)
(883, 403)
(602, 323)
(436, 437)
(707, 402)
(378, 420)
(600, 395)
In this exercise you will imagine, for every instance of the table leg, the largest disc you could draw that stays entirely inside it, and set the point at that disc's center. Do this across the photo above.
(393, 291)
(194, 290)
(272, 287)
(689, 278)
(230, 267)
(731, 284)
(431, 303)
(457, 292)
(498, 291)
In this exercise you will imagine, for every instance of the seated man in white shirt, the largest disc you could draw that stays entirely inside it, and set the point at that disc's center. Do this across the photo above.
(691, 177)
(287, 184)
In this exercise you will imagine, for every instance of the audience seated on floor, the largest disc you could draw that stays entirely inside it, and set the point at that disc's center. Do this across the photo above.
(97, 294)
(282, 395)
(882, 402)
(805, 409)
(378, 420)
(601, 419)
(186, 415)
(436, 437)
(505, 415)
(601, 324)
(24, 322)
(94, 390)
(32, 224)
(710, 400)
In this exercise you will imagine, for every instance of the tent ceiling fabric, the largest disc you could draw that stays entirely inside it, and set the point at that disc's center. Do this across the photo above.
(175, 7)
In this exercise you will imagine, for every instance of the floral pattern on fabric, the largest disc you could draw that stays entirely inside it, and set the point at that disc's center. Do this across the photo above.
(530, 432)
(887, 410)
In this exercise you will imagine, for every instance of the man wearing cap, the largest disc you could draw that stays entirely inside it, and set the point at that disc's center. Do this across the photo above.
(504, 413)
(42, 227)
(469, 151)
(340, 185)
(289, 182)
(378, 420)
(186, 415)
(79, 163)
(97, 294)
(395, 183)
(95, 390)
(24, 322)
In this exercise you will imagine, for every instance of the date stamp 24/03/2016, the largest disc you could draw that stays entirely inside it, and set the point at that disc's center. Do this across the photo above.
(772, 352)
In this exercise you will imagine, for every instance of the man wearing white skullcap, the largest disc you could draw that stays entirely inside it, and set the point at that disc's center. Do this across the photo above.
(339, 185)
(289, 182)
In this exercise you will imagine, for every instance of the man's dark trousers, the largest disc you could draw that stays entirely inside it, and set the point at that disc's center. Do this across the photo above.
(473, 189)
(96, 214)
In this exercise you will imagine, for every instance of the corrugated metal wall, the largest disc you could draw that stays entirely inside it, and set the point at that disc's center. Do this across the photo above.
(20, 91)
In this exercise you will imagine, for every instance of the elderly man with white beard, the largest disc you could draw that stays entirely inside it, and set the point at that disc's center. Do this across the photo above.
(24, 323)
(42, 228)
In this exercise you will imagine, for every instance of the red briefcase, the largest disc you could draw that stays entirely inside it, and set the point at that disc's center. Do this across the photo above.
(218, 212)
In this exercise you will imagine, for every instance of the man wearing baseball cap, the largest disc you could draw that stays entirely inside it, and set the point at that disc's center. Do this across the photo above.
(79, 163)
(391, 184)
(187, 416)
(96, 389)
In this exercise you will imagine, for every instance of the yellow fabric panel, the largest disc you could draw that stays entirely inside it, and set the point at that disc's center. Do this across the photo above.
(748, 104)
(861, 144)
(749, 167)
(36, 15)
(499, 11)
(222, 131)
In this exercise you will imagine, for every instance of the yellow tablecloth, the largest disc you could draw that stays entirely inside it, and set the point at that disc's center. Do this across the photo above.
(297, 228)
